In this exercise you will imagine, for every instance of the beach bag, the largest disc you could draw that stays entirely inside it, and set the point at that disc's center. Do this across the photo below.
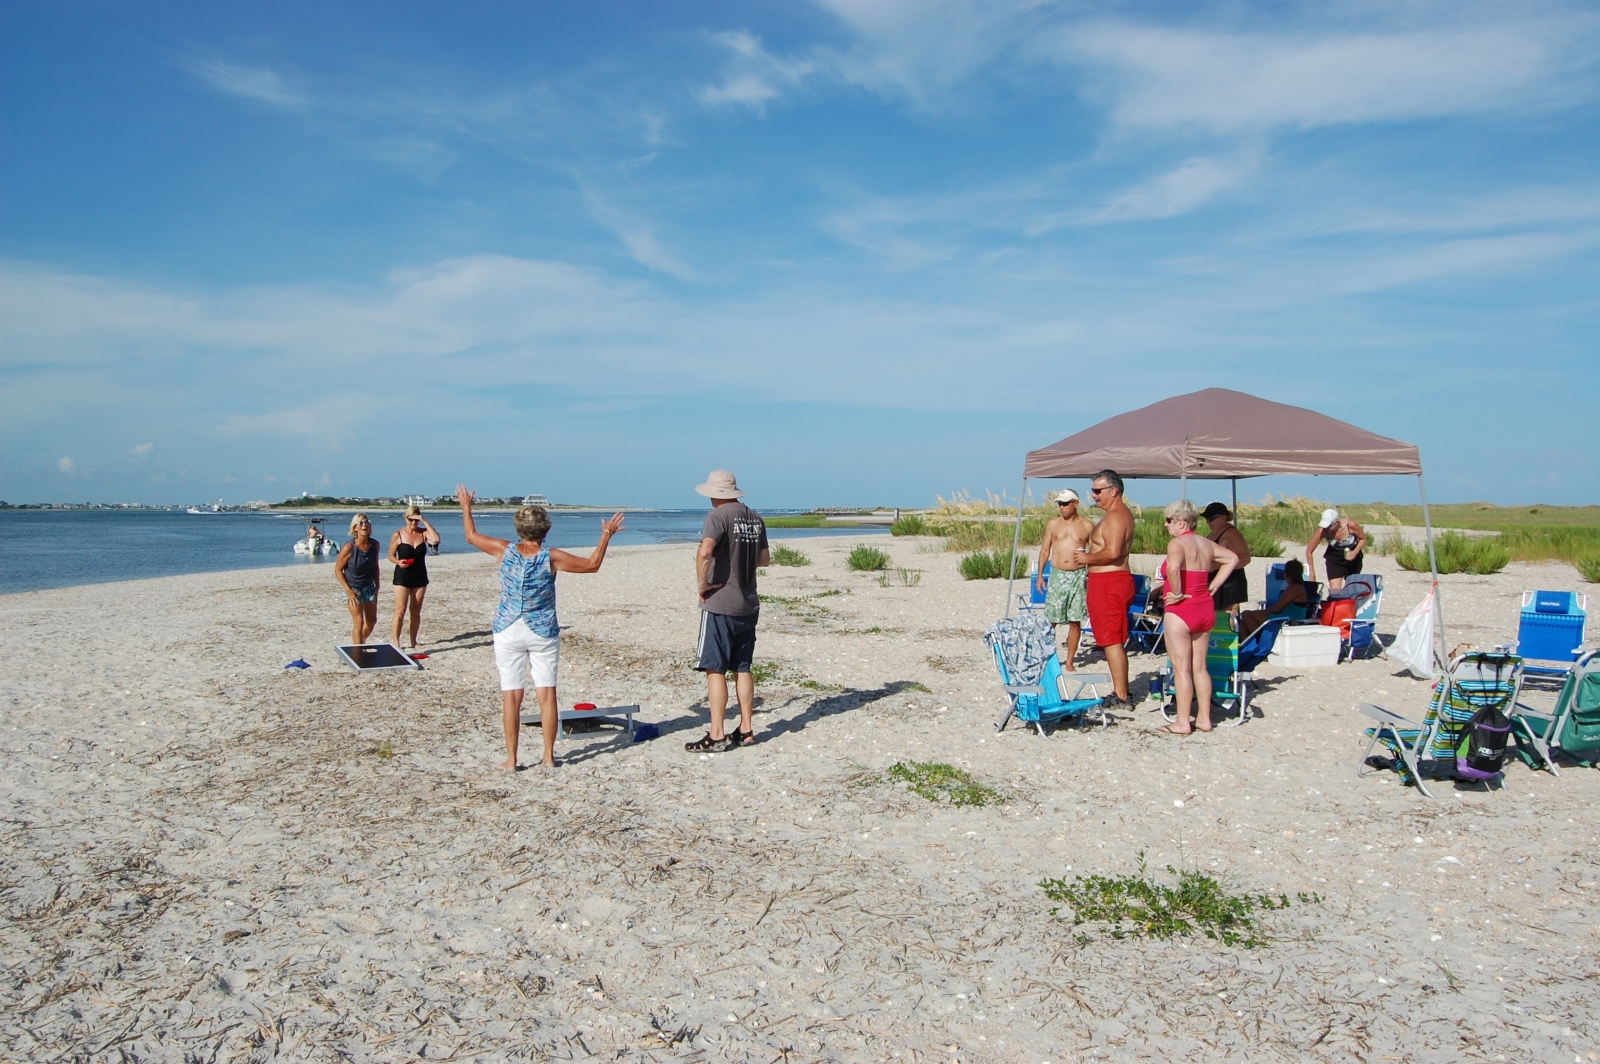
(1413, 644)
(1482, 751)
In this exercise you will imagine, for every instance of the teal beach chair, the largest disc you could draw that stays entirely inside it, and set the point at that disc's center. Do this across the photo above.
(1426, 749)
(1021, 655)
(1573, 728)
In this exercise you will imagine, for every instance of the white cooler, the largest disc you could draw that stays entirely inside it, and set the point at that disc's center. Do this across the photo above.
(1302, 646)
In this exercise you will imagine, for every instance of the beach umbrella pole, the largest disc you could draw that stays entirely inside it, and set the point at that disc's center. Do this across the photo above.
(1016, 542)
(1433, 565)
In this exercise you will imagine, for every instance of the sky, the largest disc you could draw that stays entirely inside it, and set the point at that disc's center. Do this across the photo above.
(857, 251)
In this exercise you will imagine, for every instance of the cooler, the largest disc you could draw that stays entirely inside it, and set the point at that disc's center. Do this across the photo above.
(1302, 646)
(1551, 626)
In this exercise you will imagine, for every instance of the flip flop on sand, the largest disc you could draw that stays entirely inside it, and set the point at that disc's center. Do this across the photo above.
(1170, 730)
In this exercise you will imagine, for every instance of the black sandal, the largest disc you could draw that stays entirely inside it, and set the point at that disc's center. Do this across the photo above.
(743, 738)
(706, 744)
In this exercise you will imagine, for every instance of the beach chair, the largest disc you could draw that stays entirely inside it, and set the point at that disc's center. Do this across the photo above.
(1426, 749)
(1361, 639)
(1573, 727)
(1550, 630)
(1144, 620)
(1232, 664)
(1038, 690)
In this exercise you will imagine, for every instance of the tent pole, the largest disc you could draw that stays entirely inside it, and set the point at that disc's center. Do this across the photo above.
(1433, 564)
(1016, 541)
(1183, 485)
(1235, 510)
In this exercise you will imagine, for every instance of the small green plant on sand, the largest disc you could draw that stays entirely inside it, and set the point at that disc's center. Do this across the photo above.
(1456, 554)
(903, 576)
(989, 565)
(1138, 907)
(783, 555)
(1589, 567)
(937, 781)
(908, 525)
(865, 559)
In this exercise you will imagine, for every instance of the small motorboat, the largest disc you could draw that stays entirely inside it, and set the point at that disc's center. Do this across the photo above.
(316, 541)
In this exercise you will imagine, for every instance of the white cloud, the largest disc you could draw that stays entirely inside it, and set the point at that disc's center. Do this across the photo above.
(754, 76)
(262, 84)
(638, 237)
(141, 450)
(66, 465)
(1239, 82)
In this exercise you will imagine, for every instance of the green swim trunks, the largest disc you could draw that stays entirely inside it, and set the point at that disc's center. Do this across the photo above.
(1067, 596)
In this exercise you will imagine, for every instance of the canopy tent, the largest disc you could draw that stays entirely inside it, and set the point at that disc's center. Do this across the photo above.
(1220, 434)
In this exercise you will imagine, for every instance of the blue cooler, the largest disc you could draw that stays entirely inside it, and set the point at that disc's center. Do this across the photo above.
(1551, 627)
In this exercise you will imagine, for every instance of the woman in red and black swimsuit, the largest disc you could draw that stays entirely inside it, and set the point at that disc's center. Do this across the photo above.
(1191, 612)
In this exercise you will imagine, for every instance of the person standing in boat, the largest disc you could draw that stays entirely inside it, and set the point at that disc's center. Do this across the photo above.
(356, 569)
(408, 549)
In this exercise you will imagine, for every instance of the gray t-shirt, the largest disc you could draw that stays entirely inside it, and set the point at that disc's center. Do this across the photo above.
(740, 537)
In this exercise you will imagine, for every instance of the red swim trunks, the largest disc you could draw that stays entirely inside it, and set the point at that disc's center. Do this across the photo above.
(1110, 595)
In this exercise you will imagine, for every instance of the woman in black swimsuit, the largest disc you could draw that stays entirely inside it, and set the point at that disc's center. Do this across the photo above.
(1346, 540)
(408, 549)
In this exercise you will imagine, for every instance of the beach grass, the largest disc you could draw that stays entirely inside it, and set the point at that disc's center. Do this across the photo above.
(937, 781)
(784, 555)
(908, 525)
(991, 564)
(796, 521)
(865, 559)
(1138, 907)
(1456, 553)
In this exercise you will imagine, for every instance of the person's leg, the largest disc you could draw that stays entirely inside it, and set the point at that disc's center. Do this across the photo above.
(1198, 646)
(717, 702)
(355, 619)
(417, 595)
(1074, 635)
(1249, 621)
(547, 721)
(745, 686)
(511, 721)
(1180, 648)
(369, 618)
(402, 601)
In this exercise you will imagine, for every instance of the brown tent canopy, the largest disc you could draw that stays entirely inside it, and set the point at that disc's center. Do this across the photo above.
(1218, 434)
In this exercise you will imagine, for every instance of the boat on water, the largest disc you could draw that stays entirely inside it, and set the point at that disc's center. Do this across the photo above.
(214, 508)
(316, 542)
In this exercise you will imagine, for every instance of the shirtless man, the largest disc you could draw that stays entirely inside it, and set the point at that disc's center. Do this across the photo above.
(1111, 587)
(1066, 601)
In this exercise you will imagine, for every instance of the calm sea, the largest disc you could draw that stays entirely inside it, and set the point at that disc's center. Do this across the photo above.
(64, 548)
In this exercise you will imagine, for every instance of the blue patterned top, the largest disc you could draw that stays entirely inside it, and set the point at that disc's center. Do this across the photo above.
(527, 590)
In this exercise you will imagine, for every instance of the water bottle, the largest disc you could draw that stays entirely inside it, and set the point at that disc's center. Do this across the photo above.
(1156, 687)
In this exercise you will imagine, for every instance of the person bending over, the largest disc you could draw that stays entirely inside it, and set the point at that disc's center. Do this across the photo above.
(1346, 540)
(408, 549)
(1191, 612)
(1292, 602)
(527, 636)
(356, 569)
(1111, 587)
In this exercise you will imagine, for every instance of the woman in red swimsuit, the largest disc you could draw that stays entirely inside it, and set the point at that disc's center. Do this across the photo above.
(1191, 612)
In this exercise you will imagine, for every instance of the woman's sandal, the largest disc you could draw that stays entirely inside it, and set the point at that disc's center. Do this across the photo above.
(743, 738)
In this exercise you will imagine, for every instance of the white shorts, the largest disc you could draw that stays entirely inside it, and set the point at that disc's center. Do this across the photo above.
(519, 654)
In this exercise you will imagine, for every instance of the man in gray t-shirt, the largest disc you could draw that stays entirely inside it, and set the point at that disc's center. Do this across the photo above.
(733, 544)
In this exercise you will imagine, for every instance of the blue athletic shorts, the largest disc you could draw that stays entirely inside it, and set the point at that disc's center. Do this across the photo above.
(727, 644)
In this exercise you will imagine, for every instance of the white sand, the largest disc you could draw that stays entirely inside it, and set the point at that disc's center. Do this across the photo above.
(205, 859)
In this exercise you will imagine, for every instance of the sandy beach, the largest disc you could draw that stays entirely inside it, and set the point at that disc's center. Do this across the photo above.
(205, 858)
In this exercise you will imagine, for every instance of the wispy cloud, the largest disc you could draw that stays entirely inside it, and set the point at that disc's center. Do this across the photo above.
(66, 465)
(754, 76)
(1158, 78)
(262, 84)
(638, 237)
(142, 450)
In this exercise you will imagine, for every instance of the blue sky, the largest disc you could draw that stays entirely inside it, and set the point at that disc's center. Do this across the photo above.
(856, 251)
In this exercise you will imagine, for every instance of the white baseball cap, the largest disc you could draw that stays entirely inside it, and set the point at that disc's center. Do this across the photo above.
(1329, 516)
(1067, 496)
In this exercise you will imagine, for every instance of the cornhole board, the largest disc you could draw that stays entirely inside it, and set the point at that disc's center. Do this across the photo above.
(605, 713)
(376, 657)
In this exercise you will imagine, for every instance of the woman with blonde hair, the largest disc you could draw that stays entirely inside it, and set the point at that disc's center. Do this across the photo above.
(1191, 612)
(408, 549)
(527, 636)
(356, 569)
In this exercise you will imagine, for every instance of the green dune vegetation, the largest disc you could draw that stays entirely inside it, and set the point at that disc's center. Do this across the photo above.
(1275, 527)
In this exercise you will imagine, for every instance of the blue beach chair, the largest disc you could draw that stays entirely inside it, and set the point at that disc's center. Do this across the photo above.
(1550, 630)
(1038, 691)
(1232, 664)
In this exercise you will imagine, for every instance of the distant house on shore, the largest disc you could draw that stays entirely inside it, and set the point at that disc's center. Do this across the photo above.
(535, 500)
(415, 500)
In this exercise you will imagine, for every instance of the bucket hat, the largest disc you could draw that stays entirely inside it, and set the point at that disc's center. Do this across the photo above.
(721, 484)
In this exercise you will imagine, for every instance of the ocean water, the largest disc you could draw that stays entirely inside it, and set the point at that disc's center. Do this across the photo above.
(65, 548)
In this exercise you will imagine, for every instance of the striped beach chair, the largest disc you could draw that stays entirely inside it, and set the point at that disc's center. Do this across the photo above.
(1426, 749)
